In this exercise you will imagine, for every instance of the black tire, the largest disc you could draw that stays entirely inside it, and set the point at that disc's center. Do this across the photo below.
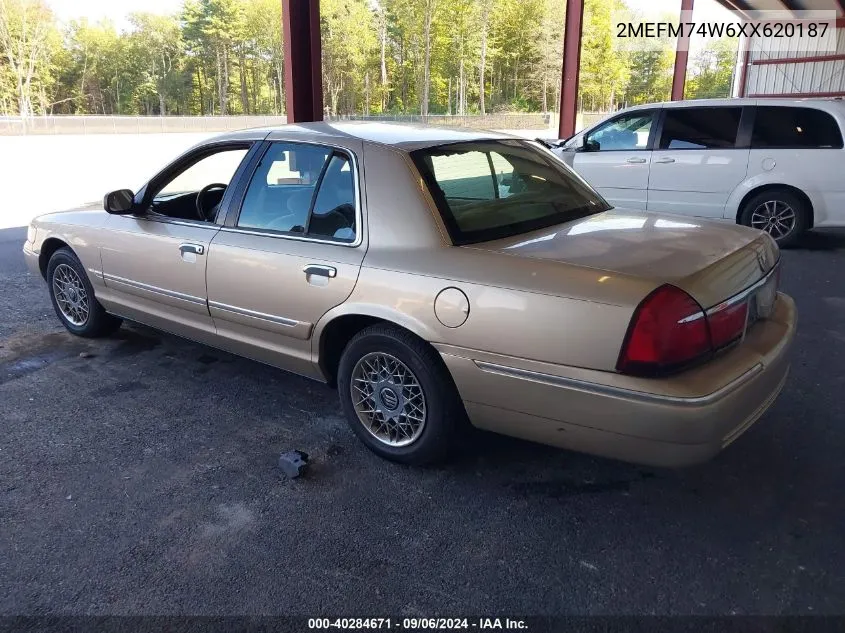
(779, 197)
(445, 417)
(98, 322)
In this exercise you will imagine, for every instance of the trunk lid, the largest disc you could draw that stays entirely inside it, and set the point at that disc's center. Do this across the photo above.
(711, 261)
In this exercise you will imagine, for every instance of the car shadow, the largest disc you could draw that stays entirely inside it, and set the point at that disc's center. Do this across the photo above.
(821, 240)
(753, 482)
(491, 455)
(753, 477)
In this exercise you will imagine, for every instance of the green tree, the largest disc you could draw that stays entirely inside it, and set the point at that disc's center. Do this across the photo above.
(92, 70)
(711, 70)
(157, 48)
(263, 30)
(212, 28)
(516, 51)
(604, 71)
(379, 56)
(462, 47)
(349, 43)
(26, 31)
(548, 72)
(651, 75)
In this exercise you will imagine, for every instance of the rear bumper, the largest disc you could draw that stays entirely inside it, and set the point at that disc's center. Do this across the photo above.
(677, 421)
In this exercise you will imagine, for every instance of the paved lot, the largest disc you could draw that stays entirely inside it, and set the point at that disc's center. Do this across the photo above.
(142, 479)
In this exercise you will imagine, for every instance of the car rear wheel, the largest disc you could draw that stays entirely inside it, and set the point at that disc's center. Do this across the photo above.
(73, 297)
(398, 396)
(778, 212)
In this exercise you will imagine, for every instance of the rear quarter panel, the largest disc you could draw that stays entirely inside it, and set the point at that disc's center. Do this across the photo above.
(519, 309)
(816, 172)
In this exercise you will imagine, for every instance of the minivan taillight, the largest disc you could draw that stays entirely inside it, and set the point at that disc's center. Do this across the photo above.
(669, 330)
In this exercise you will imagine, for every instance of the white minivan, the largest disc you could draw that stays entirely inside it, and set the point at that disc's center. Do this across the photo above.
(777, 165)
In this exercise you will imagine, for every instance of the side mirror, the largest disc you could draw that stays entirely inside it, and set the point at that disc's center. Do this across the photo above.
(591, 146)
(120, 202)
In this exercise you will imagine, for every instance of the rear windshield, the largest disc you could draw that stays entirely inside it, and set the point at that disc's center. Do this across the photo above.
(489, 190)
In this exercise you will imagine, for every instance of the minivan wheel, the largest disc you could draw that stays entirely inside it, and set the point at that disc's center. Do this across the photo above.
(778, 212)
(73, 297)
(398, 396)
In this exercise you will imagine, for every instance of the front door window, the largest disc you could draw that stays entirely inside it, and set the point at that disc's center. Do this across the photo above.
(629, 132)
(195, 192)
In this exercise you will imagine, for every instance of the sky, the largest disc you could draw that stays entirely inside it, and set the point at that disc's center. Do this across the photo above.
(115, 10)
(118, 10)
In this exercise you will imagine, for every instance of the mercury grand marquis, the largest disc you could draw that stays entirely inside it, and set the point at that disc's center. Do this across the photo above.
(439, 278)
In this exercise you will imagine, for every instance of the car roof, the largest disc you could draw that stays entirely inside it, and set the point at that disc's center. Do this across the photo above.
(821, 103)
(833, 106)
(407, 136)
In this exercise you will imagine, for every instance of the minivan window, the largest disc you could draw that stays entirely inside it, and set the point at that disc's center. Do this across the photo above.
(779, 127)
(490, 190)
(700, 128)
(629, 132)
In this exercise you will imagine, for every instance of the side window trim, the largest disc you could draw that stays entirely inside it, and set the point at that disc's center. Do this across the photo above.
(231, 219)
(231, 224)
(496, 195)
(657, 117)
(746, 127)
(317, 186)
(651, 136)
(230, 196)
(658, 130)
(665, 114)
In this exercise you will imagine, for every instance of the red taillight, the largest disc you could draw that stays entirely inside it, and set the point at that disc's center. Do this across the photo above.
(669, 329)
(727, 324)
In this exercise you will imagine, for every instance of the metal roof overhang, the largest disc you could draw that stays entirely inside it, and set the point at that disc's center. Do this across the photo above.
(747, 6)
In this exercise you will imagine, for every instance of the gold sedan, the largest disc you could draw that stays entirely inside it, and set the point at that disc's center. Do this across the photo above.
(439, 277)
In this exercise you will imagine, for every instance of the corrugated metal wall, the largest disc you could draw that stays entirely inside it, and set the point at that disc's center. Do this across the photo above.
(803, 78)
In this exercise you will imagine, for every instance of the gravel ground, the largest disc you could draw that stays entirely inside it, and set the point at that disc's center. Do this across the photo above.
(138, 476)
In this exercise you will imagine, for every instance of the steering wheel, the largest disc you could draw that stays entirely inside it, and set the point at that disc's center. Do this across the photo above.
(201, 194)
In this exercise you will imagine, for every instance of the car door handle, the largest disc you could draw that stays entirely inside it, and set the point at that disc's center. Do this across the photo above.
(196, 249)
(321, 271)
(635, 161)
(664, 161)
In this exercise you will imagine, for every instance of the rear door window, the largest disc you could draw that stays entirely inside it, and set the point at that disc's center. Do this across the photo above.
(700, 128)
(778, 127)
(302, 189)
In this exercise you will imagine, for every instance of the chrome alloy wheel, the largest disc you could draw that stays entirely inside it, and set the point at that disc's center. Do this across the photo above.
(775, 218)
(70, 294)
(388, 399)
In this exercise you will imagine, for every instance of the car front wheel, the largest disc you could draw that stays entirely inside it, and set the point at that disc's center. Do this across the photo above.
(778, 212)
(398, 396)
(73, 297)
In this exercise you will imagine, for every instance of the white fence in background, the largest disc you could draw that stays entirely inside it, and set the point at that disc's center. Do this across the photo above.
(99, 124)
(515, 121)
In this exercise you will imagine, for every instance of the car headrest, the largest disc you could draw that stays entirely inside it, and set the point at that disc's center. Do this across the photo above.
(298, 201)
